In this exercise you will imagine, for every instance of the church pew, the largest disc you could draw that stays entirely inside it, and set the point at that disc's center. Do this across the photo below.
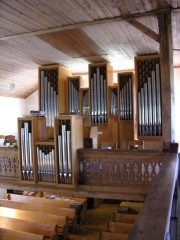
(6, 234)
(124, 218)
(37, 217)
(104, 235)
(58, 211)
(130, 207)
(46, 230)
(62, 202)
(66, 203)
(124, 228)
(136, 205)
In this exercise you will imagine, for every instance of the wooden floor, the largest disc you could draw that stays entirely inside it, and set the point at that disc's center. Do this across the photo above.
(95, 221)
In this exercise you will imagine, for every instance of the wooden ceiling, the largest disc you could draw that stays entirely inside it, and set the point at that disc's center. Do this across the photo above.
(75, 33)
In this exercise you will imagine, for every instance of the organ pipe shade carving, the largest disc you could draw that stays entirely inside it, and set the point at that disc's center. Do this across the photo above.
(46, 163)
(113, 95)
(64, 152)
(98, 95)
(73, 88)
(125, 96)
(49, 94)
(26, 151)
(149, 97)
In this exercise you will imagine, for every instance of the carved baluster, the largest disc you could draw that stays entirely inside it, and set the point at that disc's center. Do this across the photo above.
(121, 171)
(146, 173)
(153, 174)
(110, 178)
(157, 168)
(135, 170)
(114, 172)
(1, 165)
(150, 171)
(139, 172)
(131, 172)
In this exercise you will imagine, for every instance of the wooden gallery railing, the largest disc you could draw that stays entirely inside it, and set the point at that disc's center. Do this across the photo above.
(9, 162)
(134, 175)
(154, 219)
(118, 174)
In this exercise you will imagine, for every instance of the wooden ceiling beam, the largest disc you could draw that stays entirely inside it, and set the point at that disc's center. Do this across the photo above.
(79, 25)
(144, 29)
(127, 17)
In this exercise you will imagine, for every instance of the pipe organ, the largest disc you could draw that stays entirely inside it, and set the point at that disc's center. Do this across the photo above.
(53, 94)
(98, 82)
(49, 94)
(125, 96)
(30, 129)
(74, 94)
(112, 108)
(46, 171)
(26, 151)
(68, 138)
(113, 99)
(64, 151)
(149, 96)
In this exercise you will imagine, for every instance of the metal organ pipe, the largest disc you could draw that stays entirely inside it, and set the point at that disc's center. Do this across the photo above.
(85, 103)
(98, 88)
(26, 151)
(126, 109)
(49, 95)
(46, 167)
(149, 105)
(113, 102)
(74, 95)
(64, 152)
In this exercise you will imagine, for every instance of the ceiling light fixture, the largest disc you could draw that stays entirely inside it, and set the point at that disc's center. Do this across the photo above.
(12, 85)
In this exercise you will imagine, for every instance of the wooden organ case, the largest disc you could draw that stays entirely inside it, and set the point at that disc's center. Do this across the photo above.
(126, 108)
(148, 77)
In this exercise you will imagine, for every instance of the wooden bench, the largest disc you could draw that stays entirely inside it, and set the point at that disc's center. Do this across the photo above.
(80, 204)
(130, 207)
(124, 228)
(124, 218)
(13, 224)
(58, 211)
(112, 236)
(6, 234)
(37, 217)
(65, 203)
(52, 202)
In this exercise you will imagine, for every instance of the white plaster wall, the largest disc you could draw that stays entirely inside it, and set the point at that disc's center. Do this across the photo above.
(10, 110)
(32, 102)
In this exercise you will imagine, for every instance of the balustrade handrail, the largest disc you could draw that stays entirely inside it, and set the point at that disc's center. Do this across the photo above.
(154, 218)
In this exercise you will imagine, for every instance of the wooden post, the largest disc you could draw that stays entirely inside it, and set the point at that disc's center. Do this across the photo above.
(167, 76)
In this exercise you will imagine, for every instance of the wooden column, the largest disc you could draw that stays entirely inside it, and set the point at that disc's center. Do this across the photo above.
(167, 76)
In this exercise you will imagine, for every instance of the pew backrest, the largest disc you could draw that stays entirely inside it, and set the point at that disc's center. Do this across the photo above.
(31, 227)
(104, 235)
(37, 217)
(124, 228)
(69, 213)
(124, 218)
(52, 202)
(6, 234)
